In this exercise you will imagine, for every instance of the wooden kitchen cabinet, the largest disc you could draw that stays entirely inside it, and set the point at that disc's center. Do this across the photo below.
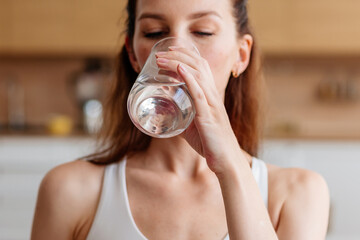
(4, 28)
(307, 27)
(86, 27)
(67, 27)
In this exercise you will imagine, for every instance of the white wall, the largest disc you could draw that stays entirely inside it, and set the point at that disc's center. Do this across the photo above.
(339, 163)
(24, 161)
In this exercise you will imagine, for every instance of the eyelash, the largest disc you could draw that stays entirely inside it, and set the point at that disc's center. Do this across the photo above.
(154, 35)
(204, 34)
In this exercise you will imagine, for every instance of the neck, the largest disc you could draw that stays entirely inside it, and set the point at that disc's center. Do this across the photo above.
(174, 155)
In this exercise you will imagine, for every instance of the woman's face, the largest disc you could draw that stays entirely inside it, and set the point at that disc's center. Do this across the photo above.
(208, 24)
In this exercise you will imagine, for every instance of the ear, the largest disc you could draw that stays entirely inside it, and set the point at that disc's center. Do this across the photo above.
(245, 44)
(131, 54)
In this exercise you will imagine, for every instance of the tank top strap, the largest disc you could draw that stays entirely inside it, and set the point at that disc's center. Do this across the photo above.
(260, 173)
(112, 215)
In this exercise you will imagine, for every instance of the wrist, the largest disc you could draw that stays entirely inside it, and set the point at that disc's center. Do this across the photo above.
(234, 166)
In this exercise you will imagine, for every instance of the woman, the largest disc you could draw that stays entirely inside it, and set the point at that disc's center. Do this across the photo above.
(204, 184)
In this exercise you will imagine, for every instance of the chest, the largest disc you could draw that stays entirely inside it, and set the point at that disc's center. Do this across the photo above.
(177, 211)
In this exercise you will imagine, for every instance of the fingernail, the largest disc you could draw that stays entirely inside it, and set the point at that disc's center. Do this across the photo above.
(162, 60)
(159, 54)
(182, 68)
(174, 47)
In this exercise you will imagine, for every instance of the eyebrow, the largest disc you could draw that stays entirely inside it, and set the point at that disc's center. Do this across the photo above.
(192, 16)
(203, 14)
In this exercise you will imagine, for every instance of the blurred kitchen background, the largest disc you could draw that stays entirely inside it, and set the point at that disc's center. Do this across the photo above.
(56, 57)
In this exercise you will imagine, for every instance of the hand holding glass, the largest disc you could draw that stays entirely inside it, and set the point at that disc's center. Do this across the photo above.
(159, 103)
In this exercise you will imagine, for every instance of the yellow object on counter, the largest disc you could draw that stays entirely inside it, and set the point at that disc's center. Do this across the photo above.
(60, 125)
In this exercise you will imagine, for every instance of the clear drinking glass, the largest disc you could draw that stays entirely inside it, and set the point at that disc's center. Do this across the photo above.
(159, 103)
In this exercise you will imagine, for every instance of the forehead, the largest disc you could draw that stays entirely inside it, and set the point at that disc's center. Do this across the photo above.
(183, 8)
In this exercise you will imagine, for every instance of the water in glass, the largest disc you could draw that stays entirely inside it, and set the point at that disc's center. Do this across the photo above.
(161, 109)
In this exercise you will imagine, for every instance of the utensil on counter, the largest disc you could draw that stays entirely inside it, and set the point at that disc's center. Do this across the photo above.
(16, 104)
(87, 88)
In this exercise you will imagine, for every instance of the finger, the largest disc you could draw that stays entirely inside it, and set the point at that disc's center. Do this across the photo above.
(181, 56)
(196, 92)
(194, 53)
(194, 60)
(209, 92)
(170, 65)
(197, 60)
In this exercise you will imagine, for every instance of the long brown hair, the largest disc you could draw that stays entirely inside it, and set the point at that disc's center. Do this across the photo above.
(119, 137)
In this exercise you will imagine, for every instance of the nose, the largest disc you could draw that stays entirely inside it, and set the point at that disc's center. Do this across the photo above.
(181, 36)
(181, 41)
(178, 41)
(185, 42)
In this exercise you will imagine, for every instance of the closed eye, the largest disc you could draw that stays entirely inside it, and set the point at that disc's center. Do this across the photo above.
(203, 34)
(154, 34)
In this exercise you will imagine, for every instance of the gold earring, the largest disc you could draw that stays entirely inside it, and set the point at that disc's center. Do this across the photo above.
(234, 74)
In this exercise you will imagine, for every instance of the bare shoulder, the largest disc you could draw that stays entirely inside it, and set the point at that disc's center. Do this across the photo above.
(72, 182)
(299, 199)
(73, 177)
(295, 179)
(67, 200)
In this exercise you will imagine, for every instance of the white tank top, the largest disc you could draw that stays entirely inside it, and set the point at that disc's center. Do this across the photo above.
(113, 218)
